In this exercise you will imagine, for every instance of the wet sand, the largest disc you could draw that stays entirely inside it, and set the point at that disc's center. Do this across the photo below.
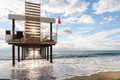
(99, 76)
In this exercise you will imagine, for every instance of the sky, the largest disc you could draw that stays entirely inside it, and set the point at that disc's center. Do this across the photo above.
(86, 24)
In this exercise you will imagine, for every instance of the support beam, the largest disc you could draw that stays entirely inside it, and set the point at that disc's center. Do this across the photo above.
(13, 55)
(51, 54)
(23, 17)
(43, 53)
(18, 53)
(22, 54)
(13, 29)
(47, 53)
(51, 31)
(13, 47)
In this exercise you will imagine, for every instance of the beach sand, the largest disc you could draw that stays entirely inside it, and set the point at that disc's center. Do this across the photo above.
(99, 76)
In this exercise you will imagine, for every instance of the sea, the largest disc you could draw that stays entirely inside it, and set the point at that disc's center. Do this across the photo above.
(66, 64)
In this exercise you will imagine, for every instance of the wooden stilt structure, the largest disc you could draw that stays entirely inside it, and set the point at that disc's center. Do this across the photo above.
(32, 37)
(13, 55)
(48, 53)
(18, 53)
(22, 53)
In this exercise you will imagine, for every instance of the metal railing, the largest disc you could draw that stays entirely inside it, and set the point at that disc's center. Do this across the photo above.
(45, 36)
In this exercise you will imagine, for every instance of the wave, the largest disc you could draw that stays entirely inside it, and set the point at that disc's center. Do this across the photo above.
(69, 54)
(76, 54)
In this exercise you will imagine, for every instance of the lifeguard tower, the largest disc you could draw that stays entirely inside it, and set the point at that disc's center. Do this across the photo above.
(31, 38)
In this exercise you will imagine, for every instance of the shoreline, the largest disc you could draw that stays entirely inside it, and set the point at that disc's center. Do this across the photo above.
(111, 75)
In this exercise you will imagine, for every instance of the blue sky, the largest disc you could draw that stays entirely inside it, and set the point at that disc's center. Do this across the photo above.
(86, 24)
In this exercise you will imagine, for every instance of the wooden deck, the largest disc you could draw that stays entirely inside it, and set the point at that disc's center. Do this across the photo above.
(31, 44)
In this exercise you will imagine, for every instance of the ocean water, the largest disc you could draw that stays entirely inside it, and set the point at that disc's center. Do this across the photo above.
(65, 64)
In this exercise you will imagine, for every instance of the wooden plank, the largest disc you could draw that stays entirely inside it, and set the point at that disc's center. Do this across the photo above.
(32, 28)
(32, 22)
(32, 6)
(36, 25)
(31, 33)
(33, 9)
(22, 17)
(32, 14)
(31, 3)
(31, 18)
(35, 31)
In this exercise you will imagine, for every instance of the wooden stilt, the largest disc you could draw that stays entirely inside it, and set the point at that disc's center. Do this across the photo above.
(44, 53)
(47, 53)
(51, 40)
(22, 54)
(13, 55)
(13, 47)
(51, 54)
(41, 52)
(18, 53)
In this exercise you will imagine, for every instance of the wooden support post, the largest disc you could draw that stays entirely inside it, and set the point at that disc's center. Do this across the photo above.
(13, 29)
(43, 53)
(51, 54)
(18, 53)
(51, 31)
(22, 54)
(13, 47)
(47, 53)
(34, 52)
(13, 55)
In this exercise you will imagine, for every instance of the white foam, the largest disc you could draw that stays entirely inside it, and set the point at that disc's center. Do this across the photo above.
(60, 69)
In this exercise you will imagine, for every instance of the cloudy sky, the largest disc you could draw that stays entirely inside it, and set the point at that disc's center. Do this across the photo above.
(86, 24)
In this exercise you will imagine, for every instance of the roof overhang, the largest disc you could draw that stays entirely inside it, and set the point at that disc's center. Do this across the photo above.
(32, 18)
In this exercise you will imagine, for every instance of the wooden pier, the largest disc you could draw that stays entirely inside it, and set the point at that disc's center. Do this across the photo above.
(31, 37)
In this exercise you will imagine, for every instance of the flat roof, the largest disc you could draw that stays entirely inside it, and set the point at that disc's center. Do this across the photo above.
(32, 18)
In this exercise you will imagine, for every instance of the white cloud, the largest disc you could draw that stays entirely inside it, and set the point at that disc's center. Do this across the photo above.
(108, 19)
(76, 7)
(100, 36)
(69, 8)
(86, 19)
(85, 30)
(69, 20)
(65, 31)
(103, 6)
(11, 6)
(97, 41)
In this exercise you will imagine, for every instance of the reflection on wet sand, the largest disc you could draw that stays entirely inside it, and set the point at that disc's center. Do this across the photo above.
(33, 70)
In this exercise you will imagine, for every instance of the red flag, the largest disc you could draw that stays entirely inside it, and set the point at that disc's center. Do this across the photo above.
(59, 21)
